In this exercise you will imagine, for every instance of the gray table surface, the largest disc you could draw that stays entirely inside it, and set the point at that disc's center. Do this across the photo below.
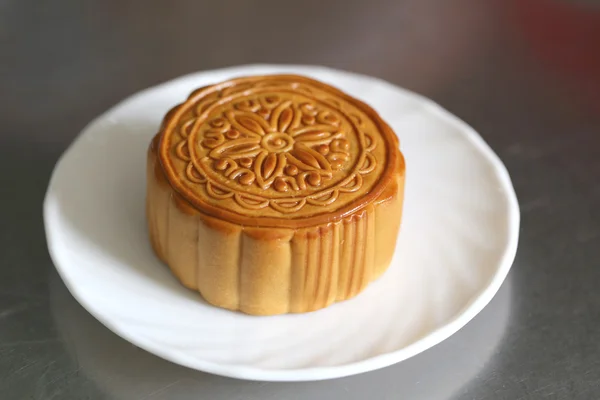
(526, 77)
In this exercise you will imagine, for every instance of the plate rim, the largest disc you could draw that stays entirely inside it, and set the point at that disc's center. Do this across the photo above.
(479, 300)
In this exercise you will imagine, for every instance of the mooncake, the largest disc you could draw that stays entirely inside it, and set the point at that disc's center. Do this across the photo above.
(274, 194)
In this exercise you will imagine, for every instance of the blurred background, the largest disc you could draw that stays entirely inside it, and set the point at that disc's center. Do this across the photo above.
(524, 73)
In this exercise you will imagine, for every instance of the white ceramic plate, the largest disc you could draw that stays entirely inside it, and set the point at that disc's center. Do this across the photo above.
(457, 243)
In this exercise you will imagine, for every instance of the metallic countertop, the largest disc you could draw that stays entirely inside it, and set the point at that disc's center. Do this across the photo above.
(525, 74)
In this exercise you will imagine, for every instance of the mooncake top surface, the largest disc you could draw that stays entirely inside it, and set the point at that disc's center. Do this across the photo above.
(277, 150)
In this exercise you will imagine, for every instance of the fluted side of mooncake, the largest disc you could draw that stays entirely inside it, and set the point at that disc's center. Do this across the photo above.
(267, 271)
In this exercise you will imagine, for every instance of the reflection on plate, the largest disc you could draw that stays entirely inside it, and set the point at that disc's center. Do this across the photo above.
(457, 242)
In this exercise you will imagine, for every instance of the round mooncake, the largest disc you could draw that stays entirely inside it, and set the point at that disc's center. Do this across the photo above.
(274, 194)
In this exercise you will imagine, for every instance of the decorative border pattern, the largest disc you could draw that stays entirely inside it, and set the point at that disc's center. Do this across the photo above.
(263, 148)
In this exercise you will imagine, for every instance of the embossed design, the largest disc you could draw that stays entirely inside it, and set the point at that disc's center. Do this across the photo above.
(273, 150)
(272, 142)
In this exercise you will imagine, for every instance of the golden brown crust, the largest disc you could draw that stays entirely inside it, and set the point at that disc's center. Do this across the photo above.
(259, 259)
(276, 151)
